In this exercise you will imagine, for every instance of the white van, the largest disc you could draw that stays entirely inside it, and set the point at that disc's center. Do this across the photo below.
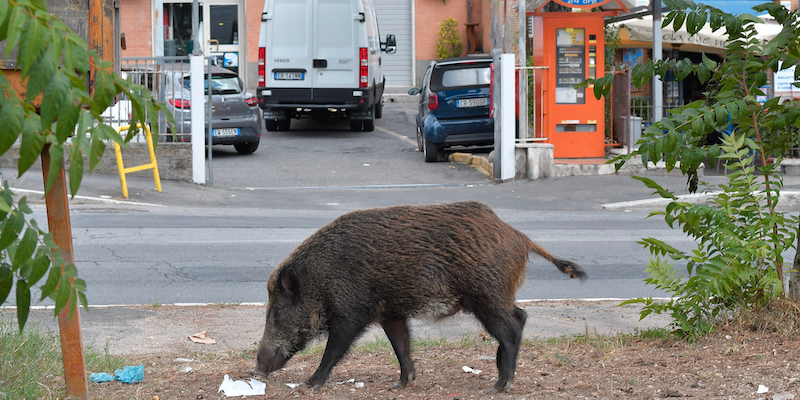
(318, 57)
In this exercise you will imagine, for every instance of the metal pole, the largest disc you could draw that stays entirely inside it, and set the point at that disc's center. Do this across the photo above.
(658, 85)
(523, 72)
(496, 104)
(195, 25)
(69, 328)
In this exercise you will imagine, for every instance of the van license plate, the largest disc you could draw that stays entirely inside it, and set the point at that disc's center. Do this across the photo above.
(288, 76)
(478, 102)
(225, 132)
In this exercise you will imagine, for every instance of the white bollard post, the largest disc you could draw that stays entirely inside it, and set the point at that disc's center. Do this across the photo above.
(506, 119)
(198, 116)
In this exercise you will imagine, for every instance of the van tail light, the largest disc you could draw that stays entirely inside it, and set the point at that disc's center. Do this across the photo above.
(433, 101)
(262, 62)
(251, 101)
(181, 103)
(363, 75)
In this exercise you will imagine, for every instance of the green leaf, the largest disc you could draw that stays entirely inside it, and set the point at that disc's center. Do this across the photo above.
(3, 15)
(678, 22)
(63, 294)
(26, 247)
(82, 297)
(75, 173)
(31, 144)
(690, 22)
(11, 117)
(56, 165)
(30, 47)
(16, 20)
(4, 208)
(39, 267)
(23, 302)
(67, 119)
(6, 281)
(52, 281)
(55, 97)
(11, 230)
(98, 147)
(658, 189)
(104, 91)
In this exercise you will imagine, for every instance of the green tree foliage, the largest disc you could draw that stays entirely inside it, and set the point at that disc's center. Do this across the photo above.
(449, 43)
(740, 239)
(57, 109)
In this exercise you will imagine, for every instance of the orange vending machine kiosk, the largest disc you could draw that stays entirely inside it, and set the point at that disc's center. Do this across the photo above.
(571, 45)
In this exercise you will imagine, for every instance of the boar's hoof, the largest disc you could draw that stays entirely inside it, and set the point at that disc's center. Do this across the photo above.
(499, 388)
(309, 384)
(406, 380)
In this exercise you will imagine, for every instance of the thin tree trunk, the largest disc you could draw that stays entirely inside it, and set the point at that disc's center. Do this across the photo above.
(794, 276)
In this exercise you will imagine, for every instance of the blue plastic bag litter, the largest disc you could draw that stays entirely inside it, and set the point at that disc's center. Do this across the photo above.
(130, 374)
(101, 377)
(125, 375)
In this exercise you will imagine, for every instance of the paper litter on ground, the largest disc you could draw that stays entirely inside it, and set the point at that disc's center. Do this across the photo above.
(202, 337)
(233, 388)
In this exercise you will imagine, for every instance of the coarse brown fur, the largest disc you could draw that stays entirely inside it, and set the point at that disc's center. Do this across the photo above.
(386, 265)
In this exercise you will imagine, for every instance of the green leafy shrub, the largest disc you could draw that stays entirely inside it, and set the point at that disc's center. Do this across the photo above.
(449, 43)
(738, 262)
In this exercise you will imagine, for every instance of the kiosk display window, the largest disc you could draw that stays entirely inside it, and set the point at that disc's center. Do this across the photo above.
(570, 65)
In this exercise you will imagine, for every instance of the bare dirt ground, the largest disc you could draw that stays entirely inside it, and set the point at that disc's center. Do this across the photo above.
(586, 360)
(726, 365)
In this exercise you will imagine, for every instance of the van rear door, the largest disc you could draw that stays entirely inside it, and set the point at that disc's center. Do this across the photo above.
(289, 34)
(335, 41)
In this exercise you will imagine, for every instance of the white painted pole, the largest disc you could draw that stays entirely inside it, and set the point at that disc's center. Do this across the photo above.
(198, 120)
(507, 111)
(658, 85)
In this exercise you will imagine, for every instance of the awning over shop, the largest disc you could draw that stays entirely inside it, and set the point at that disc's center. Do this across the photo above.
(638, 33)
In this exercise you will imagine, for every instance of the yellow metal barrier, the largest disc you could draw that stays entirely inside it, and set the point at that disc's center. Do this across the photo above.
(153, 165)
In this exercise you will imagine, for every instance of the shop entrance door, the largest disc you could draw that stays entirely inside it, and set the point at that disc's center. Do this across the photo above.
(219, 31)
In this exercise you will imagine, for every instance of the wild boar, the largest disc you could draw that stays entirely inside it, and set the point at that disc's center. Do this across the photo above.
(387, 265)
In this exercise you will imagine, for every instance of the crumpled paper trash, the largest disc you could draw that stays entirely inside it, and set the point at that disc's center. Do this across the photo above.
(125, 375)
(468, 370)
(233, 388)
(202, 337)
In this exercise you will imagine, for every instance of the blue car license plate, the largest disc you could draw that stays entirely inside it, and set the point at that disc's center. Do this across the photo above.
(476, 102)
(225, 132)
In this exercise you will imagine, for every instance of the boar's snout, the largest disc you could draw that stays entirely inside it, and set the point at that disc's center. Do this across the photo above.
(269, 358)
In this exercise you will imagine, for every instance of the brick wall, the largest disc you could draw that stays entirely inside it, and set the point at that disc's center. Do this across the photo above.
(137, 25)
(429, 15)
(253, 9)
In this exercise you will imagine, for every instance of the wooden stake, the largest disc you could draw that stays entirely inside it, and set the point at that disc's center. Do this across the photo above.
(69, 328)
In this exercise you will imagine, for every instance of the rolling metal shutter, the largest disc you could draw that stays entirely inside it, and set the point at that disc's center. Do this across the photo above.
(394, 16)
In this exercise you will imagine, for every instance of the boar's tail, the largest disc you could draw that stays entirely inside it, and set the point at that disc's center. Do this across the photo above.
(565, 266)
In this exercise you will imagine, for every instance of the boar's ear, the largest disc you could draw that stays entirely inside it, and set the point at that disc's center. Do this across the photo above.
(290, 284)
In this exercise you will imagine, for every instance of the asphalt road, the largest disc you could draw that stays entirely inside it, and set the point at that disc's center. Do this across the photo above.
(218, 244)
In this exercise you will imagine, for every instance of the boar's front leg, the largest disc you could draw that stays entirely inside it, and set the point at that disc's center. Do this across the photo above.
(397, 332)
(343, 332)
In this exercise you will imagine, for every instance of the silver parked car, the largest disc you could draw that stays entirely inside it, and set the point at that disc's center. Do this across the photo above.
(235, 114)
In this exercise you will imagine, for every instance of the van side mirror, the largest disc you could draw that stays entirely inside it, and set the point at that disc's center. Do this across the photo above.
(390, 45)
(413, 91)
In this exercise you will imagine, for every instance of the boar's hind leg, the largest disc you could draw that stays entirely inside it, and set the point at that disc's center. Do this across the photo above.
(506, 326)
(397, 332)
(342, 333)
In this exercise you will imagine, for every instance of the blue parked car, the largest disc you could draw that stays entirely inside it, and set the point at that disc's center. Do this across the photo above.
(454, 105)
